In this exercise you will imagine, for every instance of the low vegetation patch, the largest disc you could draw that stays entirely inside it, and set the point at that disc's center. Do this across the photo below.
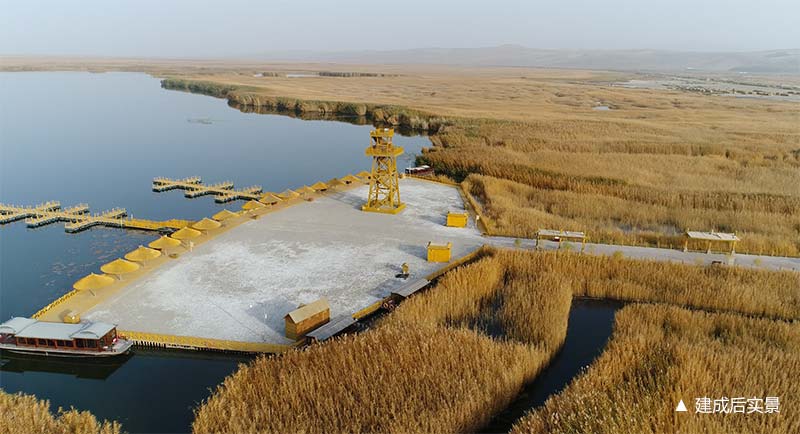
(25, 414)
(659, 355)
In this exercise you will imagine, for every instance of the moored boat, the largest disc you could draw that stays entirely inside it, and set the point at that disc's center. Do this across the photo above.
(85, 339)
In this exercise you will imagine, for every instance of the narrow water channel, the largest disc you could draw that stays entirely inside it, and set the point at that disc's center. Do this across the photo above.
(590, 325)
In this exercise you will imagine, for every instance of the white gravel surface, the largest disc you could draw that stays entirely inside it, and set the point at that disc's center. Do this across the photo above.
(239, 285)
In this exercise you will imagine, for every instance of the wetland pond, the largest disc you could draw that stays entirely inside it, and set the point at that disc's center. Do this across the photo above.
(100, 139)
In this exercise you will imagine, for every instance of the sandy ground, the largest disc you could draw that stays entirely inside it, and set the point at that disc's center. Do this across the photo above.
(239, 285)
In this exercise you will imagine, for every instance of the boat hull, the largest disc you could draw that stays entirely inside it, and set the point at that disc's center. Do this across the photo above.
(119, 348)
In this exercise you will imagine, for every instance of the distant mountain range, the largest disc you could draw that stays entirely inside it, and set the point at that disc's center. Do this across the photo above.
(771, 61)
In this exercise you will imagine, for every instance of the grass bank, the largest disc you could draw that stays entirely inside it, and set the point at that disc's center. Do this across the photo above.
(24, 414)
(248, 99)
(659, 355)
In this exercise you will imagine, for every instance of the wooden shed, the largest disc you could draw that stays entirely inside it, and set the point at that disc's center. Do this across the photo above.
(457, 219)
(439, 252)
(306, 318)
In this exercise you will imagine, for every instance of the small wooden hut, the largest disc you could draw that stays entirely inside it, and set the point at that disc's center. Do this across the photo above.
(306, 318)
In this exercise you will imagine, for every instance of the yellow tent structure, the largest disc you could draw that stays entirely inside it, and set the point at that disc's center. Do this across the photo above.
(164, 242)
(349, 179)
(269, 199)
(119, 266)
(304, 190)
(224, 215)
(186, 233)
(333, 182)
(319, 186)
(364, 175)
(142, 254)
(206, 224)
(288, 194)
(93, 281)
(252, 204)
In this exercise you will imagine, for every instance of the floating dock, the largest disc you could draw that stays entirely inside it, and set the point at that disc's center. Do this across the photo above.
(77, 218)
(193, 187)
(239, 280)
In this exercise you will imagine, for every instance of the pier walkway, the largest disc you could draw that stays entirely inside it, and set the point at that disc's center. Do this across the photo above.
(78, 218)
(193, 187)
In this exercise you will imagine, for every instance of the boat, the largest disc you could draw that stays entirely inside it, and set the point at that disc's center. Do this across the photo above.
(420, 170)
(86, 339)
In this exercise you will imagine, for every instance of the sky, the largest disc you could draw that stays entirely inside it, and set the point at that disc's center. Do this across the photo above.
(240, 28)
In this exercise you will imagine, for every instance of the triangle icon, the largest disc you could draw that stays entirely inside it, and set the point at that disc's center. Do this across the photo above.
(681, 406)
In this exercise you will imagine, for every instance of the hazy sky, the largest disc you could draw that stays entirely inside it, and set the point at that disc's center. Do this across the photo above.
(200, 28)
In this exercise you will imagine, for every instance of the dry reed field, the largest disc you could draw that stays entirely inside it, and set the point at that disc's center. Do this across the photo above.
(24, 414)
(660, 162)
(657, 164)
(659, 355)
(774, 294)
(428, 367)
(490, 325)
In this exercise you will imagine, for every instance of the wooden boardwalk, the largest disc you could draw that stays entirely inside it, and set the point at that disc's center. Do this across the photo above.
(78, 218)
(193, 187)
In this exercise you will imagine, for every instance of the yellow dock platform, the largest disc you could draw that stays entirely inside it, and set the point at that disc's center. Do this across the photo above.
(78, 218)
(193, 187)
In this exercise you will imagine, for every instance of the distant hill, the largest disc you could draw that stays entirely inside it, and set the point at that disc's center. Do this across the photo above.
(771, 61)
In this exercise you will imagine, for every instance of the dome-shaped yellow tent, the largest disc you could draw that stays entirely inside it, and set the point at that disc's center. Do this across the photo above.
(364, 175)
(305, 190)
(164, 242)
(224, 215)
(142, 254)
(333, 182)
(93, 281)
(185, 234)
(119, 266)
(319, 186)
(269, 199)
(252, 204)
(288, 194)
(206, 224)
(349, 179)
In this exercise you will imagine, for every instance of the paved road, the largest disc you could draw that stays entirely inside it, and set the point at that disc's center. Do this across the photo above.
(763, 262)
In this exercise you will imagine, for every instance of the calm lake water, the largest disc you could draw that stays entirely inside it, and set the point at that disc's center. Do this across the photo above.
(100, 139)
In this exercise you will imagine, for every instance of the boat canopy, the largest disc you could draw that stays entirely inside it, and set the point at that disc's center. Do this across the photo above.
(15, 325)
(94, 330)
(56, 330)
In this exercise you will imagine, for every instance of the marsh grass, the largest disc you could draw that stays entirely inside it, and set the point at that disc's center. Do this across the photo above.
(659, 355)
(425, 368)
(658, 164)
(24, 414)
(448, 359)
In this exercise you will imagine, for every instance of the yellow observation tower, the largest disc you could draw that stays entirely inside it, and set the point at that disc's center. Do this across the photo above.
(384, 184)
